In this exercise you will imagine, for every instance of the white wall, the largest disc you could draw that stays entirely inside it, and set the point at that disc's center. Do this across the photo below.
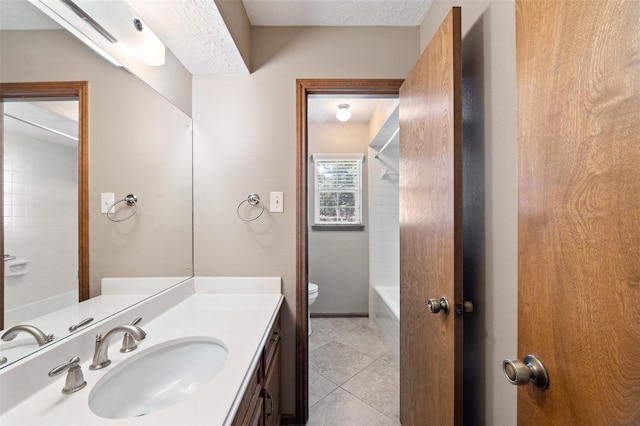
(40, 217)
(488, 30)
(339, 260)
(245, 141)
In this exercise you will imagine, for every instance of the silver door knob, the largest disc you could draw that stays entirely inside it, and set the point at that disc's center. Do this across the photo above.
(520, 373)
(436, 306)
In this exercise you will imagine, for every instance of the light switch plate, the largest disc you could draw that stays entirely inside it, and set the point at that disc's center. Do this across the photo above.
(277, 202)
(106, 200)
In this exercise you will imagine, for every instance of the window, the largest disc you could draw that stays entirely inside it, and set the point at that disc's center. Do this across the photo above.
(338, 189)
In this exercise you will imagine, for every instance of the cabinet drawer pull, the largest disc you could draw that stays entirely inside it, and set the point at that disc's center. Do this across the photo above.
(270, 404)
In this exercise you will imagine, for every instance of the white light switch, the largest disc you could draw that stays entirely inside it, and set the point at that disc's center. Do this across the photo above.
(277, 202)
(106, 200)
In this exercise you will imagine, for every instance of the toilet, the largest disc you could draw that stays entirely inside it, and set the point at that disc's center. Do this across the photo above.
(313, 295)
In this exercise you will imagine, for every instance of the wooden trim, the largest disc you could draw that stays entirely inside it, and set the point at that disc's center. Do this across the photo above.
(302, 355)
(83, 194)
(306, 87)
(458, 211)
(63, 90)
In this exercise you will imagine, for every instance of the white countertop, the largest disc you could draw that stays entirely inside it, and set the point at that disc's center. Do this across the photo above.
(240, 321)
(58, 322)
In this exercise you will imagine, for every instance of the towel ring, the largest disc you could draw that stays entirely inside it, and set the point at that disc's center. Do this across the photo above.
(253, 199)
(131, 200)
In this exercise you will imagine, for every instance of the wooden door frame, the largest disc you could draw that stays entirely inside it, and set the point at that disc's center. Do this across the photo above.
(306, 87)
(62, 90)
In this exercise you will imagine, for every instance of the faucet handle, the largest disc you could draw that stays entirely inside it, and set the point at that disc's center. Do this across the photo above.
(75, 380)
(130, 344)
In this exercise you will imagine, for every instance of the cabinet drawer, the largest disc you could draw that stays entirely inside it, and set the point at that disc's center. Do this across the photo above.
(271, 390)
(250, 399)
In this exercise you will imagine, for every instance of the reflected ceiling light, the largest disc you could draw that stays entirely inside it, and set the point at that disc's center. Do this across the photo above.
(343, 113)
(109, 27)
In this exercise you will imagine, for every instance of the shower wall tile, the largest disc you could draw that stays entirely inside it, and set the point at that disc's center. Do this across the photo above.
(384, 218)
(40, 217)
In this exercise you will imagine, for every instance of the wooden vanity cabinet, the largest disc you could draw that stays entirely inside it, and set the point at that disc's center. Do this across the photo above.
(271, 382)
(251, 409)
(260, 405)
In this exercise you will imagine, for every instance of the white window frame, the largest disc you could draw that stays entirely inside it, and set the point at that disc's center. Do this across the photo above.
(320, 159)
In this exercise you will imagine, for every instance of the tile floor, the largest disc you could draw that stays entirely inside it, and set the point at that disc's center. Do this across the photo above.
(353, 380)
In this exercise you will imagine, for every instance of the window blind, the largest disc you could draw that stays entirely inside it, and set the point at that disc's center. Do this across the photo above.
(338, 188)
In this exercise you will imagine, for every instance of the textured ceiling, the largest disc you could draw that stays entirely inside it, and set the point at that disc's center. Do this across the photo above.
(337, 12)
(196, 34)
(194, 30)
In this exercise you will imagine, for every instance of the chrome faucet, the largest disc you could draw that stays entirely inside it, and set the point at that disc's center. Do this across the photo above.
(128, 342)
(40, 337)
(100, 356)
(75, 380)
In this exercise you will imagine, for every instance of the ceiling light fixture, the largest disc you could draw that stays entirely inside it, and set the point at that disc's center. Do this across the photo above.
(110, 28)
(343, 113)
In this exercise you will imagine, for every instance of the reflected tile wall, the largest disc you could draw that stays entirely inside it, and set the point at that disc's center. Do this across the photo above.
(40, 217)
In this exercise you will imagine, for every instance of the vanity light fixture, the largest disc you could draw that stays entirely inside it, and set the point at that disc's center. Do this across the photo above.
(111, 28)
(56, 11)
(343, 113)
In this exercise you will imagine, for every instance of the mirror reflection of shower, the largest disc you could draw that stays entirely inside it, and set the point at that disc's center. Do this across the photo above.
(40, 187)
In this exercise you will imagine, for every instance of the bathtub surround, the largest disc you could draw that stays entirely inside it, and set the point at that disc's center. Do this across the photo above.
(387, 317)
(384, 220)
(313, 292)
(26, 313)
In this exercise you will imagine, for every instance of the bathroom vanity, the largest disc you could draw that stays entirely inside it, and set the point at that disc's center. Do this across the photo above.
(236, 318)
(260, 404)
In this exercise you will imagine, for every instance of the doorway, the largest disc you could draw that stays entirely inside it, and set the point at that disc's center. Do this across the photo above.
(304, 89)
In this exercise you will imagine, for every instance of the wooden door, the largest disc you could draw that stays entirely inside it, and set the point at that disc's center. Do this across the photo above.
(578, 82)
(431, 232)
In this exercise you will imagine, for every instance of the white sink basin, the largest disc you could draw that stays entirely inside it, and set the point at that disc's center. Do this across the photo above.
(158, 377)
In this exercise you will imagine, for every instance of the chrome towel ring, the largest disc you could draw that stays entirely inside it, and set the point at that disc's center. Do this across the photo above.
(131, 200)
(253, 199)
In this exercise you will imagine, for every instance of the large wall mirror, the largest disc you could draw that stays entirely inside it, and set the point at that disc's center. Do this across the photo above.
(138, 143)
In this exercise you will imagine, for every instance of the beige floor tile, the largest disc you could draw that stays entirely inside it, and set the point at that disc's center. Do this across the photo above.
(319, 387)
(379, 386)
(338, 362)
(340, 408)
(365, 340)
(351, 352)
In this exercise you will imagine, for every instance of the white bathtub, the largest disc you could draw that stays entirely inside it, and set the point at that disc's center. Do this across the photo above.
(387, 316)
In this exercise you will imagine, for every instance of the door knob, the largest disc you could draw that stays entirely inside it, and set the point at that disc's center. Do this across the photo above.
(520, 373)
(436, 306)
